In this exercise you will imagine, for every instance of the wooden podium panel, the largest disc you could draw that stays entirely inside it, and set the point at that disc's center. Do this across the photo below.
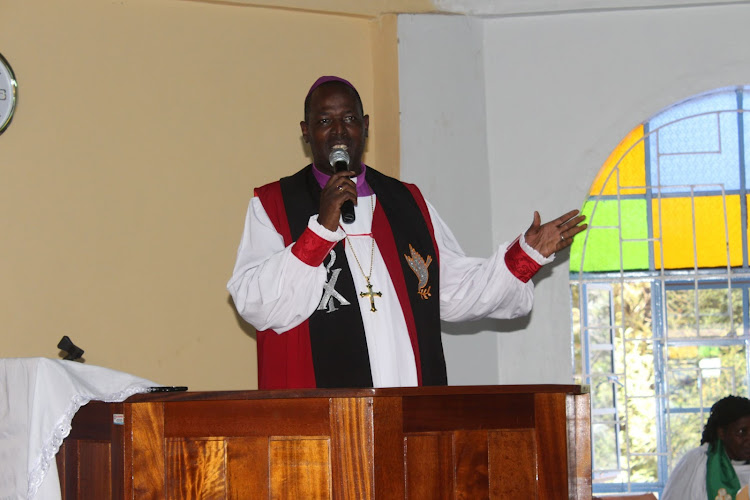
(494, 442)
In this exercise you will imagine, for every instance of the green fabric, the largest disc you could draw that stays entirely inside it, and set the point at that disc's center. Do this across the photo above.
(720, 473)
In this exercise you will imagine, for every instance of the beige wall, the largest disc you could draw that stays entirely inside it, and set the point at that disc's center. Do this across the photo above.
(141, 129)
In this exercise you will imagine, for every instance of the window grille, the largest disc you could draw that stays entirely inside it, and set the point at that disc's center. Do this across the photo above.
(660, 287)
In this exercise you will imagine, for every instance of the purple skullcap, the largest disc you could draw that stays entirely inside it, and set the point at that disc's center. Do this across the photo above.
(325, 79)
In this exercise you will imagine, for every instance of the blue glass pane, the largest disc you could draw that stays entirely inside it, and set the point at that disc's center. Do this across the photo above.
(720, 101)
(695, 143)
(698, 134)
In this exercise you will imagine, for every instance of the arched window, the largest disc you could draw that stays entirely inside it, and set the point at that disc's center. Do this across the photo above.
(661, 287)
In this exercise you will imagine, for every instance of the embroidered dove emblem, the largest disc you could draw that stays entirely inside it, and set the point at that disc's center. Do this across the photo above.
(419, 266)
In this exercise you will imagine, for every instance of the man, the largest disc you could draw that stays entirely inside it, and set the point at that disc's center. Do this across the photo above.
(359, 304)
(720, 467)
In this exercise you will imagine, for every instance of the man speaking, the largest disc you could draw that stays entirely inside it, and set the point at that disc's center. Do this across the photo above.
(346, 273)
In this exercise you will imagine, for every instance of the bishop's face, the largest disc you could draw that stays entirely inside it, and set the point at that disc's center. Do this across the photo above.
(335, 119)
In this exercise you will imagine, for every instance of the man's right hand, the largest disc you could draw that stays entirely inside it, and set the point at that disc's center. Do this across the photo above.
(338, 189)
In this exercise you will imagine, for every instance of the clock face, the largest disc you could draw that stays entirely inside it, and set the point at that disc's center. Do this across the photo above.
(8, 94)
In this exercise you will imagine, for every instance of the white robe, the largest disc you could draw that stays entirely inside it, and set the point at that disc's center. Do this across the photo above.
(273, 289)
(688, 479)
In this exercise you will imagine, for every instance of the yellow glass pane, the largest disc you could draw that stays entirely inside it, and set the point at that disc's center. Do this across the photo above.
(711, 233)
(629, 158)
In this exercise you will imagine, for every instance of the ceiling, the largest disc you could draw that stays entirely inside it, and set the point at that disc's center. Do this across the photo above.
(480, 8)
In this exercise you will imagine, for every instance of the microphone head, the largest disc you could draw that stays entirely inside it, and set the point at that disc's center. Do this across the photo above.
(338, 154)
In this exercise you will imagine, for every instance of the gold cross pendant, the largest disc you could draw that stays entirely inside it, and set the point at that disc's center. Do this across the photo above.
(372, 296)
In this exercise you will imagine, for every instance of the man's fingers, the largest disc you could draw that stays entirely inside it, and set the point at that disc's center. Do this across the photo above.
(577, 229)
(575, 221)
(565, 218)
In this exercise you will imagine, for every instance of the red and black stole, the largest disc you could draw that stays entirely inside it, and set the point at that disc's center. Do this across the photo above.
(330, 349)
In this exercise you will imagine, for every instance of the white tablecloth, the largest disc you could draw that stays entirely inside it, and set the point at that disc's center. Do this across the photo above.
(38, 401)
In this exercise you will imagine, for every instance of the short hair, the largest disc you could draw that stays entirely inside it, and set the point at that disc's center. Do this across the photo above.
(724, 412)
(349, 87)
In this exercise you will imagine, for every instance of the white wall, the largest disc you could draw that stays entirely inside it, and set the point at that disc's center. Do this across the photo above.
(552, 95)
(141, 129)
(444, 151)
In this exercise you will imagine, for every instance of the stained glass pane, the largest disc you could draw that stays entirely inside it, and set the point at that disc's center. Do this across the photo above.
(628, 158)
(725, 100)
(705, 247)
(691, 145)
(599, 247)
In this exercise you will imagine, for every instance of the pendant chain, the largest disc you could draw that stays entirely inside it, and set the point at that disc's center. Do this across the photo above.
(372, 248)
(369, 293)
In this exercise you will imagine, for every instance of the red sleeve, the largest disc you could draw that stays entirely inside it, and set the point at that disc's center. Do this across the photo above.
(311, 248)
(520, 263)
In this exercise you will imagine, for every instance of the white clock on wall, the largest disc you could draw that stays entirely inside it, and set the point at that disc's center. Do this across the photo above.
(8, 94)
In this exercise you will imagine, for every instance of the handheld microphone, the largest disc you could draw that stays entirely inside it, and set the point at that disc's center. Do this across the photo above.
(339, 160)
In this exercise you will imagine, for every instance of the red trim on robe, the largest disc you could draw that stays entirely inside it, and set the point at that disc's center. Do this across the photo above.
(383, 234)
(284, 361)
(273, 203)
(520, 263)
(275, 371)
(417, 194)
(311, 248)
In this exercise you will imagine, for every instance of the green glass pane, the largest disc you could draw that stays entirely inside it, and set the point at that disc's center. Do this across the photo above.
(598, 248)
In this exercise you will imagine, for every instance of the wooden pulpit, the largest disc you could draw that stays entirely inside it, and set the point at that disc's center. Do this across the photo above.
(427, 443)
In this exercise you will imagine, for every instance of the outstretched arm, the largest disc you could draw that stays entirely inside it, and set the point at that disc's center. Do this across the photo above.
(554, 235)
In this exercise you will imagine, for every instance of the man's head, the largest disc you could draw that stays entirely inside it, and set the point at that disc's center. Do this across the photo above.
(730, 421)
(334, 116)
